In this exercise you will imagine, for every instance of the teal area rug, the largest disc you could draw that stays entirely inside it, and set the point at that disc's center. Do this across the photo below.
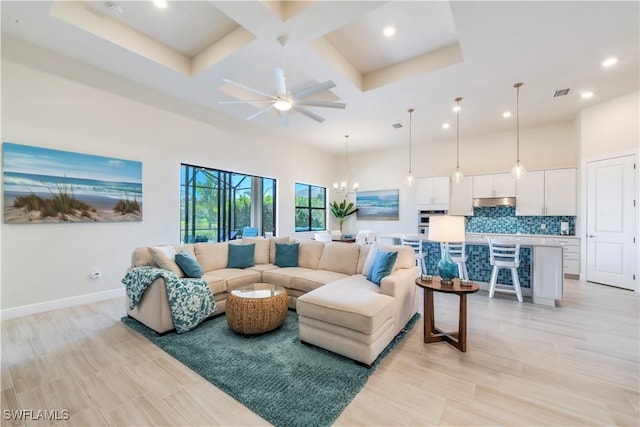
(284, 381)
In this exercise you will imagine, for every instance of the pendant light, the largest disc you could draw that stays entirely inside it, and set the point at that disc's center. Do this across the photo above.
(457, 176)
(518, 169)
(409, 179)
(344, 185)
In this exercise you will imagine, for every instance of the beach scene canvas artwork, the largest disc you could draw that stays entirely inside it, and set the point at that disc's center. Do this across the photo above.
(43, 185)
(377, 205)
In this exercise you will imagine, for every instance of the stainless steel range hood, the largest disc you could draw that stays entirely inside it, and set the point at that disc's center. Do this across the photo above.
(494, 201)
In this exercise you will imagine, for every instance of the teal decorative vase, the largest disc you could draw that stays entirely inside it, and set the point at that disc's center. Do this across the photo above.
(447, 269)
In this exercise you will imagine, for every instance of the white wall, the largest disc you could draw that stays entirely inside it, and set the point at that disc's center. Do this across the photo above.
(541, 147)
(45, 262)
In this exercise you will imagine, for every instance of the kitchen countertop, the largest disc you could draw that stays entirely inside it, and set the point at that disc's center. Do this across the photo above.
(481, 238)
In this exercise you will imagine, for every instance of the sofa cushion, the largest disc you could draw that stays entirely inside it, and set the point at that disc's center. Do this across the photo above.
(284, 276)
(263, 267)
(216, 283)
(261, 254)
(272, 247)
(310, 280)
(382, 266)
(287, 254)
(212, 256)
(241, 256)
(236, 278)
(354, 303)
(310, 253)
(142, 257)
(406, 256)
(164, 256)
(188, 264)
(340, 257)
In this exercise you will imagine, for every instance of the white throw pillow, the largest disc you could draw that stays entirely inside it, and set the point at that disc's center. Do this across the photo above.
(370, 257)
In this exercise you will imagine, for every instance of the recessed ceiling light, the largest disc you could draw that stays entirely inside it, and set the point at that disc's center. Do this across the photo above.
(162, 4)
(609, 62)
(506, 114)
(446, 126)
(389, 31)
(586, 95)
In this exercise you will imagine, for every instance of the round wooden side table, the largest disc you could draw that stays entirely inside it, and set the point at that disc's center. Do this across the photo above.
(433, 334)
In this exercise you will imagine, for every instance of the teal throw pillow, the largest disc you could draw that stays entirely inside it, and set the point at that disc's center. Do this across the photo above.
(287, 254)
(241, 256)
(382, 266)
(189, 265)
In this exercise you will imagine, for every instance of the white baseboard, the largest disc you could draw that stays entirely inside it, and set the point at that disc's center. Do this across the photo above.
(25, 310)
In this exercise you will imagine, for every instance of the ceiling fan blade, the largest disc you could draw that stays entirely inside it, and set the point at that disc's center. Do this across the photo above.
(284, 118)
(281, 88)
(261, 111)
(250, 89)
(308, 113)
(327, 104)
(245, 102)
(303, 93)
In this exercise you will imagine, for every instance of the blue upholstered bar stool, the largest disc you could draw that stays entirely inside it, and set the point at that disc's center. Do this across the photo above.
(504, 254)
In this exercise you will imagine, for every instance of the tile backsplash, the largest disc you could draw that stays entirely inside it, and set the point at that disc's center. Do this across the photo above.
(503, 219)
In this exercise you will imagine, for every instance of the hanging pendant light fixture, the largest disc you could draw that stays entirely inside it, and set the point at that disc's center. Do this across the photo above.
(409, 179)
(518, 169)
(344, 185)
(457, 176)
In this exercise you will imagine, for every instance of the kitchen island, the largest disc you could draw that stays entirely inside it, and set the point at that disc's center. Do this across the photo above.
(541, 263)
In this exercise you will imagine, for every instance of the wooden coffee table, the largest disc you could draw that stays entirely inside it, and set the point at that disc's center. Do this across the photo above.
(257, 308)
(433, 334)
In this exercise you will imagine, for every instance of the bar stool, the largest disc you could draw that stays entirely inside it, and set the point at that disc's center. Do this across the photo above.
(504, 254)
(416, 244)
(459, 256)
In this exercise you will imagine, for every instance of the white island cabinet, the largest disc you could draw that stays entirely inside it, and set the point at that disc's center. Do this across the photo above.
(547, 274)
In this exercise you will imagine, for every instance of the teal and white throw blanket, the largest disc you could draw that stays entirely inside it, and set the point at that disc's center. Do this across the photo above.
(190, 300)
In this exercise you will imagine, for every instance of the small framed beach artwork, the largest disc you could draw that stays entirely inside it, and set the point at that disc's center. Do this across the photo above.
(42, 185)
(380, 205)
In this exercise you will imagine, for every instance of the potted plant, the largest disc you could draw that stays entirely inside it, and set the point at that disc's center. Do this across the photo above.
(342, 210)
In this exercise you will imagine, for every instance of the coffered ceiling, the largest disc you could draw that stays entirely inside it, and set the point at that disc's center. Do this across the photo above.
(440, 50)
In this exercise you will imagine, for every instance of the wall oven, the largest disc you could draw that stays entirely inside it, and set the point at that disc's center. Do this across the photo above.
(423, 219)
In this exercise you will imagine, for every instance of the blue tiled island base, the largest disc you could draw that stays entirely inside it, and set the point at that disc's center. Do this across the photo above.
(478, 264)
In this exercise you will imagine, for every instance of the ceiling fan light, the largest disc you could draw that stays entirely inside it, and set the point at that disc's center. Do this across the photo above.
(282, 105)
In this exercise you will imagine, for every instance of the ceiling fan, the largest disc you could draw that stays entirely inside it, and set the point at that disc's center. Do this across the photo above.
(284, 100)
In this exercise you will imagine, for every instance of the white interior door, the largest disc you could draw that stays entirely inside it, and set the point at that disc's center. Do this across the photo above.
(610, 222)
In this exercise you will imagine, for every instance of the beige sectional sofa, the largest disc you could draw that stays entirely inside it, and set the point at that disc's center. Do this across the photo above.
(339, 309)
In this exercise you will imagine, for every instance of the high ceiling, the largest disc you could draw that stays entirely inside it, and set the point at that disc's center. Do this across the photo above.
(441, 50)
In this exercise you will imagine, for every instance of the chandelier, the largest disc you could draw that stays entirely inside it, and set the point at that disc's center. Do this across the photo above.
(344, 185)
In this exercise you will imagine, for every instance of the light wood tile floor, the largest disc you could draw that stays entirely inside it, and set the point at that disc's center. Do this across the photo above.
(525, 365)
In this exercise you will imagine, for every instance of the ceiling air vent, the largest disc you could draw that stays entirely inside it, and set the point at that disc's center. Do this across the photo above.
(396, 126)
(561, 92)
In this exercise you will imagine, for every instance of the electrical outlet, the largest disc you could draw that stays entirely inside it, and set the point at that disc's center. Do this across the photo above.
(543, 226)
(96, 273)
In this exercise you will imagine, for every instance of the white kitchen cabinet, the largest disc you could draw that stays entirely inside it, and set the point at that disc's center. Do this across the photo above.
(498, 185)
(461, 202)
(548, 277)
(550, 192)
(571, 254)
(560, 192)
(433, 193)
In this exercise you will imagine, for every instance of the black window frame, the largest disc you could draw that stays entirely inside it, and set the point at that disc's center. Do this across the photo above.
(310, 208)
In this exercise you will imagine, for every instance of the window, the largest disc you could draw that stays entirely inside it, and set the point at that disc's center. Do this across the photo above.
(216, 205)
(311, 207)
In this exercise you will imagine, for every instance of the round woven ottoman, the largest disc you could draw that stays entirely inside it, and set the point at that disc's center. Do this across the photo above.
(256, 308)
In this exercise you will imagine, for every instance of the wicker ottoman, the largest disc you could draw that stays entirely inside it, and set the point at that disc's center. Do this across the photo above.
(257, 308)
